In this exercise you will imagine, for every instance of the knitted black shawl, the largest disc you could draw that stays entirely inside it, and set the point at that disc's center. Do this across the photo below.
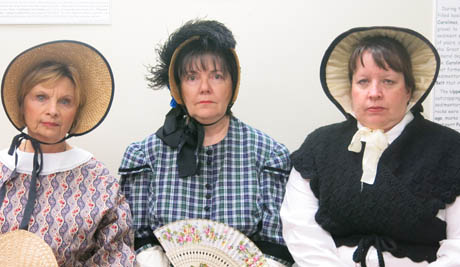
(417, 175)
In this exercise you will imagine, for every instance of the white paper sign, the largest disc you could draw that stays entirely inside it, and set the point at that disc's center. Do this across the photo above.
(55, 12)
(446, 93)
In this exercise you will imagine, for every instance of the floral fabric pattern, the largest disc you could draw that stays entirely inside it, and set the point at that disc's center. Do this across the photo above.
(80, 213)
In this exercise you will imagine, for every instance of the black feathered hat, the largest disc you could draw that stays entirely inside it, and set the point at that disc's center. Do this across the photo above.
(207, 30)
(180, 130)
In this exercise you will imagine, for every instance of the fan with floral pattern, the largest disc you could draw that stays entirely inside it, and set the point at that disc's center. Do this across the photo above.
(206, 243)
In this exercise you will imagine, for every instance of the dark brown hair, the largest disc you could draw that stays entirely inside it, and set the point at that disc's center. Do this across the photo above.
(192, 55)
(386, 52)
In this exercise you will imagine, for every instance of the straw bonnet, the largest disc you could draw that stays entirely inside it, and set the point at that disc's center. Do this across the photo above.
(195, 30)
(23, 249)
(95, 74)
(334, 66)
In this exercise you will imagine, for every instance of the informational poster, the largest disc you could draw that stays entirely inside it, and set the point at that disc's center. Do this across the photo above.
(55, 12)
(446, 98)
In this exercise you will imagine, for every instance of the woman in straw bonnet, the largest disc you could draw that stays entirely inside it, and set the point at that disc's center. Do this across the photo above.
(382, 187)
(204, 162)
(61, 193)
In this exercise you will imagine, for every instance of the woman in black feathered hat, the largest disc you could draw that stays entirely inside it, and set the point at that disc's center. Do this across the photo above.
(381, 188)
(203, 162)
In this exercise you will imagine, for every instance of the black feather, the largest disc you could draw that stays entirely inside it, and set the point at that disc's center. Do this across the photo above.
(207, 30)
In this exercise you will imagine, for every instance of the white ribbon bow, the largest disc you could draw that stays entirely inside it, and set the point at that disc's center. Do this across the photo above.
(376, 143)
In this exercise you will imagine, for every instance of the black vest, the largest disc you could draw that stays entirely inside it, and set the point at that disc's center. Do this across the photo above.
(417, 175)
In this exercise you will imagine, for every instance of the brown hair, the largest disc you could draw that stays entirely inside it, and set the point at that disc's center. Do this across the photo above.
(50, 72)
(191, 57)
(386, 52)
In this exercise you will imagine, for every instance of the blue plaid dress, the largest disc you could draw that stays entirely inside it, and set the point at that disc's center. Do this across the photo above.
(241, 182)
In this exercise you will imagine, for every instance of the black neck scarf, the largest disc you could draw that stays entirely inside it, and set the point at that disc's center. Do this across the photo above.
(37, 167)
(185, 133)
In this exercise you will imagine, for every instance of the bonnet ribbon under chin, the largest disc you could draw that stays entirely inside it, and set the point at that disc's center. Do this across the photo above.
(186, 134)
(37, 167)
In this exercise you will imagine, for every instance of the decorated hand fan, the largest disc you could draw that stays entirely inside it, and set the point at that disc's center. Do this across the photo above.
(206, 243)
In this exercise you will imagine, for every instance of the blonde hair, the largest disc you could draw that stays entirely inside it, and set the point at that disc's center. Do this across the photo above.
(49, 72)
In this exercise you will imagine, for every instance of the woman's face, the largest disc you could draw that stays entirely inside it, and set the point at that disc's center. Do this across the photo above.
(49, 110)
(379, 97)
(206, 91)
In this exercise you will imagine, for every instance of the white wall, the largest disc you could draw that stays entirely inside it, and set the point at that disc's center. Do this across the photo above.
(280, 45)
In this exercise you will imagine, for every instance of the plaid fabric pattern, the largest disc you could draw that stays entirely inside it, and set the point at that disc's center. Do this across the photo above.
(241, 182)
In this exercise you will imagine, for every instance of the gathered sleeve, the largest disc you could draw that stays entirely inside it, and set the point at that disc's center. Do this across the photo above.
(134, 159)
(114, 237)
(448, 254)
(136, 176)
(309, 244)
(273, 179)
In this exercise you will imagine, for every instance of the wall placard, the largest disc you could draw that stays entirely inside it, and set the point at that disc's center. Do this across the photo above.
(446, 93)
(55, 12)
